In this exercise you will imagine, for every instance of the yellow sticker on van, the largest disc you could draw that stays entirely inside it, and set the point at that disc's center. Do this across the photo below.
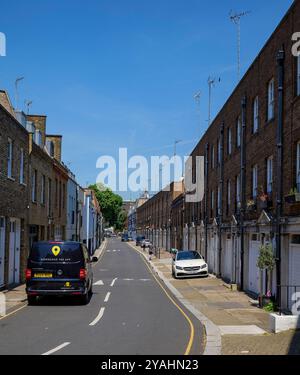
(56, 250)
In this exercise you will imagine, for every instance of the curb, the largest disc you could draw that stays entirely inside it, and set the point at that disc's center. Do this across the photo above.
(213, 345)
(99, 251)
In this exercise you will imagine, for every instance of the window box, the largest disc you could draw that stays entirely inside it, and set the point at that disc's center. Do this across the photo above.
(292, 198)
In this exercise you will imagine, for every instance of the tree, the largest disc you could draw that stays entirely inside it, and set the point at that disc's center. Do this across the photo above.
(111, 206)
(266, 261)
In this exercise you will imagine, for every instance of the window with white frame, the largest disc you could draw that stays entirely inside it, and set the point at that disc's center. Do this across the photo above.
(298, 167)
(212, 157)
(238, 190)
(21, 166)
(255, 115)
(271, 99)
(33, 185)
(219, 152)
(238, 132)
(229, 147)
(43, 190)
(9, 157)
(254, 181)
(228, 194)
(270, 175)
(219, 201)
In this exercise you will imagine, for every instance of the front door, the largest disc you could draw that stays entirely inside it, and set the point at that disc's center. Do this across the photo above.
(2, 249)
(14, 251)
(254, 273)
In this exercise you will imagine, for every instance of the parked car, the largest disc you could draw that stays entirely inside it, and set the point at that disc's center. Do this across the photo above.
(59, 269)
(130, 238)
(189, 264)
(146, 244)
(139, 240)
(125, 238)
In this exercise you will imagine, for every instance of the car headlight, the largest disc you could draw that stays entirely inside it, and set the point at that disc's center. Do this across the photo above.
(204, 266)
(179, 268)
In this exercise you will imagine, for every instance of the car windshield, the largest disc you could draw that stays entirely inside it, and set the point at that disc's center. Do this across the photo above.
(188, 255)
(60, 252)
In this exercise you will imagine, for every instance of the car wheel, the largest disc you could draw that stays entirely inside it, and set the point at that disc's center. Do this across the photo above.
(31, 300)
(84, 300)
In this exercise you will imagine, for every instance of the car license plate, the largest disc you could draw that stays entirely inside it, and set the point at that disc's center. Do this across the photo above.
(43, 275)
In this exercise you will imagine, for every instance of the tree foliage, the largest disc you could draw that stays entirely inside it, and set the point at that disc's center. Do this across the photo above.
(111, 206)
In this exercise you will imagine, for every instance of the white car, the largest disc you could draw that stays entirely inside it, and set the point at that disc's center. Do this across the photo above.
(146, 244)
(189, 264)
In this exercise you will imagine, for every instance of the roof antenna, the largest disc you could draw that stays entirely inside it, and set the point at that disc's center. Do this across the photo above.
(211, 83)
(236, 19)
(28, 103)
(17, 81)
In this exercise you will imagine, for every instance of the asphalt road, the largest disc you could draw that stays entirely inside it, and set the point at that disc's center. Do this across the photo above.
(129, 314)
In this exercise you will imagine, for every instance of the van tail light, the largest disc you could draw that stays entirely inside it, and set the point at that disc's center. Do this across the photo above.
(82, 274)
(28, 274)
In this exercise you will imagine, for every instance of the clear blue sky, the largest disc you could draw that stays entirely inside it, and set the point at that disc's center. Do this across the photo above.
(123, 73)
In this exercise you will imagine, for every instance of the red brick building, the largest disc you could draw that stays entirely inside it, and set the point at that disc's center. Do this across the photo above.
(252, 175)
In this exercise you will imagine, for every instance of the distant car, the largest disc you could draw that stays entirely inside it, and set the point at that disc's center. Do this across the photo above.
(130, 238)
(146, 244)
(125, 237)
(139, 240)
(189, 264)
(59, 269)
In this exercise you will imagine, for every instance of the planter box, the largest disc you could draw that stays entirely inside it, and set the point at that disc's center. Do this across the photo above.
(283, 323)
(294, 198)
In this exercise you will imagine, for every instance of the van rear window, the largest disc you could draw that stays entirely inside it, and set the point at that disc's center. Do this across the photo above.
(55, 252)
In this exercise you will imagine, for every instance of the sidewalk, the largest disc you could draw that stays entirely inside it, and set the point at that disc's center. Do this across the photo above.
(234, 324)
(15, 298)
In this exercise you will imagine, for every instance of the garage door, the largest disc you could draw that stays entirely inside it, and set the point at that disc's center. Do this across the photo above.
(228, 258)
(294, 269)
(253, 282)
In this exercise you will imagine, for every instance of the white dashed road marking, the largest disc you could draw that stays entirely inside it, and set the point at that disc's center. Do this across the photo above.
(100, 282)
(107, 297)
(113, 282)
(57, 348)
(98, 317)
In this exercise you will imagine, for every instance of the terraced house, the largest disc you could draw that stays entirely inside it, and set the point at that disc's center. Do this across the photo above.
(14, 190)
(252, 174)
(39, 196)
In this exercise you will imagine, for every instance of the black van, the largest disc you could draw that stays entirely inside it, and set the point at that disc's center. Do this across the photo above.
(59, 269)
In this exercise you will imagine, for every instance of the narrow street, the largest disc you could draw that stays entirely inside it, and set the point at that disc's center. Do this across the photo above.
(129, 313)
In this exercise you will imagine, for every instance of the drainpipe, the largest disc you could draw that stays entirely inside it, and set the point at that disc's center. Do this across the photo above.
(88, 223)
(279, 187)
(76, 215)
(206, 201)
(243, 186)
(221, 187)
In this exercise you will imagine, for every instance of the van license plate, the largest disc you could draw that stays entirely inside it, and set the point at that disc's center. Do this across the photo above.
(43, 275)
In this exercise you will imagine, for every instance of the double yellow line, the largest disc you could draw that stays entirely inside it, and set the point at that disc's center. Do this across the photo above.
(192, 329)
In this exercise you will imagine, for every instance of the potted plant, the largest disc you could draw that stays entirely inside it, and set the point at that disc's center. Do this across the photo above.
(251, 206)
(266, 262)
(263, 199)
(293, 196)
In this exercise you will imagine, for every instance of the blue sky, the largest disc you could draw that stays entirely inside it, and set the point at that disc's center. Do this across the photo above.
(123, 73)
